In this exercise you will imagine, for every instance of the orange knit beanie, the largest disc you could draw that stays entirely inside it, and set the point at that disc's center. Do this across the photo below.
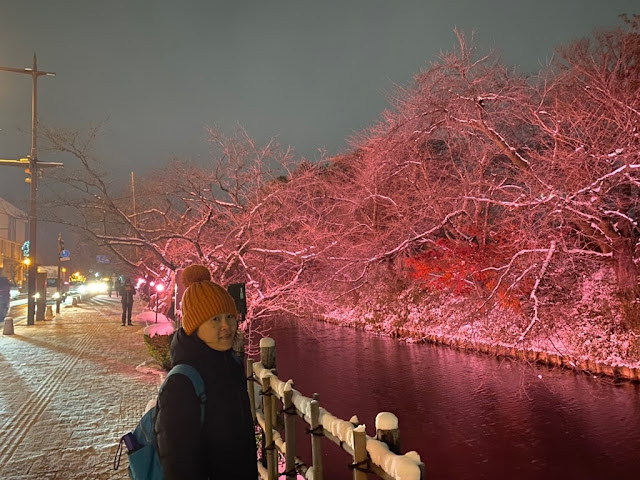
(202, 299)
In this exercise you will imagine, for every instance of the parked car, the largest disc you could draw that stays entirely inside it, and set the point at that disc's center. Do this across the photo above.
(14, 291)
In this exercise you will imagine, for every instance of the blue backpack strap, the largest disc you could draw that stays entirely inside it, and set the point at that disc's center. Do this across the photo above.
(196, 380)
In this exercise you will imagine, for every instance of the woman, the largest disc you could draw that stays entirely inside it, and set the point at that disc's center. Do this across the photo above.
(224, 447)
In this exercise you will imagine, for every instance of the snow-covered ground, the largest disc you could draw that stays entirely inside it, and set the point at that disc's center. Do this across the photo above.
(587, 328)
(163, 326)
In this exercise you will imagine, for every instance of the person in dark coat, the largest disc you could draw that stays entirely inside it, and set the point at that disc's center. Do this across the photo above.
(127, 291)
(224, 447)
(4, 297)
(118, 285)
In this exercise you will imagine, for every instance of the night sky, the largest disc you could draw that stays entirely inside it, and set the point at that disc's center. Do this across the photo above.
(312, 73)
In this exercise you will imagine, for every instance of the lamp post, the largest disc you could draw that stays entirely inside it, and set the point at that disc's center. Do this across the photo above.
(33, 168)
(60, 259)
(152, 284)
(159, 288)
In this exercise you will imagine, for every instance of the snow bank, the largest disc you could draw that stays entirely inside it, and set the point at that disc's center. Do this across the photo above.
(150, 317)
(159, 329)
(582, 321)
(151, 366)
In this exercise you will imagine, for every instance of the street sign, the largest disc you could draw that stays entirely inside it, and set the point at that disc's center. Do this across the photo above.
(102, 259)
(64, 255)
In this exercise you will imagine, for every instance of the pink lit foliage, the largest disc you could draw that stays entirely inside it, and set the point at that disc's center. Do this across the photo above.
(475, 154)
(501, 190)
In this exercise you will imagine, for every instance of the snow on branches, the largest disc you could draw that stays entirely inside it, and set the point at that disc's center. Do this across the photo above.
(478, 181)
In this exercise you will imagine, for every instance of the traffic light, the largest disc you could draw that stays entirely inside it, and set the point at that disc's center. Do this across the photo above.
(28, 172)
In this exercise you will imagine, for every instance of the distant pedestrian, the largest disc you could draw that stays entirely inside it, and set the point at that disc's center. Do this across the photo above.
(127, 291)
(4, 297)
(110, 287)
(146, 291)
(224, 446)
(117, 286)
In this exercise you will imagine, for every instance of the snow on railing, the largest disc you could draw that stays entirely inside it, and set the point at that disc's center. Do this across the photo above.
(379, 456)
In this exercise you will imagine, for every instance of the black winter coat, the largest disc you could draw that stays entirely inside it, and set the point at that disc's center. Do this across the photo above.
(225, 448)
(126, 294)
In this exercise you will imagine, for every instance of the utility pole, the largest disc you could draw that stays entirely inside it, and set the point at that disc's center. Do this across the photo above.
(60, 248)
(34, 165)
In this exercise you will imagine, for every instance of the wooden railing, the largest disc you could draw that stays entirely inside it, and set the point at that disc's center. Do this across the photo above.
(379, 456)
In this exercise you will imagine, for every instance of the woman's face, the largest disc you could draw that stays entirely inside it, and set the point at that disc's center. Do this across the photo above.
(218, 332)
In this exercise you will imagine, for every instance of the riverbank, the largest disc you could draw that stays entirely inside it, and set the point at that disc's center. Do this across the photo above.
(584, 332)
(500, 351)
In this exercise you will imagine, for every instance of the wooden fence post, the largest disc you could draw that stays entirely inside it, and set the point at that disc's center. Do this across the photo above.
(290, 433)
(270, 450)
(268, 360)
(359, 453)
(387, 431)
(268, 353)
(316, 436)
(275, 419)
(423, 474)
(251, 389)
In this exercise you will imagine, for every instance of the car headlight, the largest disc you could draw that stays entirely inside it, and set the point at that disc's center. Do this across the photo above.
(95, 287)
(56, 295)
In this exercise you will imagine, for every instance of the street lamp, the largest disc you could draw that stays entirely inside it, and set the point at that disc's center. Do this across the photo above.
(33, 164)
(159, 288)
(60, 270)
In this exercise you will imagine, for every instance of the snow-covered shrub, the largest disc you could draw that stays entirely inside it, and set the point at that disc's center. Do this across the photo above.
(159, 348)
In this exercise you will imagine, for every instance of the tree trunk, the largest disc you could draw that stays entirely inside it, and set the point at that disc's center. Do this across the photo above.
(626, 272)
(627, 279)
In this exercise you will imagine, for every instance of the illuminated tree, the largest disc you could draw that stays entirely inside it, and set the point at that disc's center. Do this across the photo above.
(494, 183)
(223, 214)
(479, 181)
(590, 114)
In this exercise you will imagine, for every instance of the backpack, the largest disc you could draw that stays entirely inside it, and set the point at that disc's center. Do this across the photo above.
(144, 463)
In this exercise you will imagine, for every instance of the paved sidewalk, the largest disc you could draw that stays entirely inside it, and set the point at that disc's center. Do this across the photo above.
(69, 389)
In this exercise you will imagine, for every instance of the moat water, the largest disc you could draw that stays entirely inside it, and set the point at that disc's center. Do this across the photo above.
(469, 416)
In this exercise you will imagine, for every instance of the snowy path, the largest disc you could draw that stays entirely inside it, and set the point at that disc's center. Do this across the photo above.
(68, 390)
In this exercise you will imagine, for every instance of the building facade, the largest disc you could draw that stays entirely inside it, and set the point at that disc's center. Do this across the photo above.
(13, 233)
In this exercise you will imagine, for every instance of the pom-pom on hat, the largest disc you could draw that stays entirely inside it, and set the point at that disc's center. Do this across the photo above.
(202, 299)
